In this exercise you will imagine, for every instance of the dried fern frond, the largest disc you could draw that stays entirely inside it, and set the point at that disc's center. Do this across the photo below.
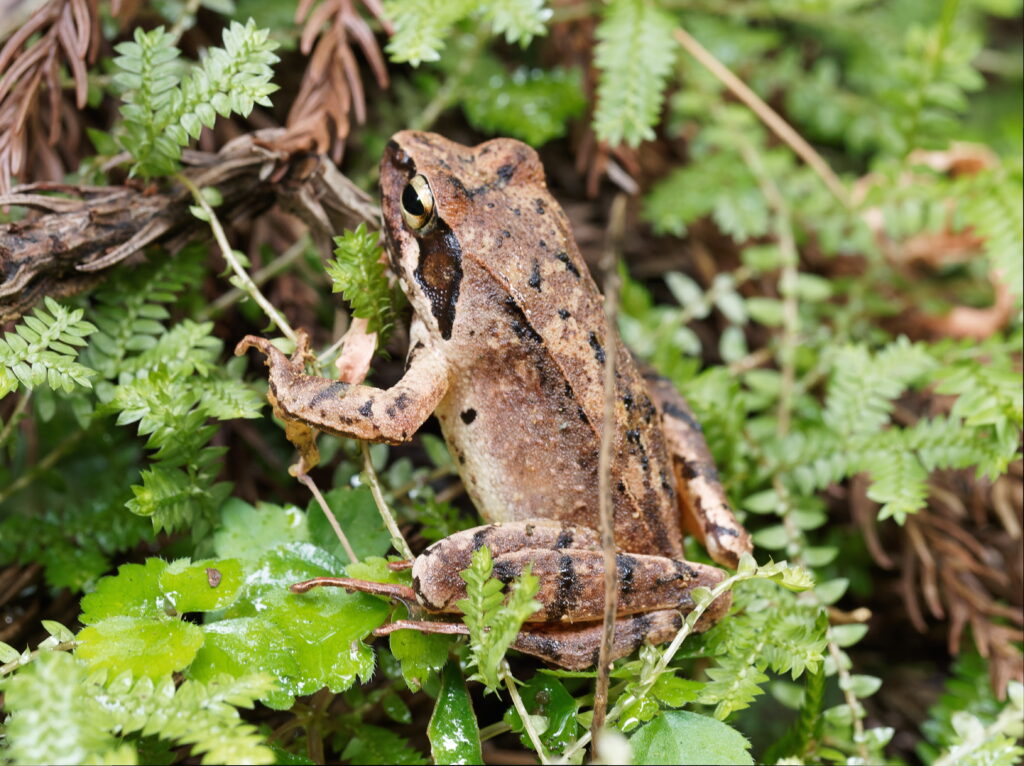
(332, 86)
(31, 126)
(962, 558)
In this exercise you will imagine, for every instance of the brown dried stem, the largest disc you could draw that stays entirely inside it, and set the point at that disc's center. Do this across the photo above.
(609, 265)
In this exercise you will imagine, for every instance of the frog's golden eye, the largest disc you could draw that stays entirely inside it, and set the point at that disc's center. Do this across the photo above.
(417, 203)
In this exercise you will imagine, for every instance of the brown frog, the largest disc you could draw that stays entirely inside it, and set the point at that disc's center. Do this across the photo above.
(507, 347)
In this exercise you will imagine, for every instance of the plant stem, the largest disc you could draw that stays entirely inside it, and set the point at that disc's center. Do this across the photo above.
(787, 280)
(517, 701)
(390, 524)
(64, 646)
(768, 116)
(609, 264)
(307, 480)
(16, 414)
(245, 281)
(273, 268)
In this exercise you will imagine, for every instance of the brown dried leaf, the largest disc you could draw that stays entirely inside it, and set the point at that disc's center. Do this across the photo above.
(332, 87)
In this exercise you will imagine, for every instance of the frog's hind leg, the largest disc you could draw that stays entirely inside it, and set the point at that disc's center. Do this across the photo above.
(573, 647)
(705, 508)
(577, 647)
(569, 564)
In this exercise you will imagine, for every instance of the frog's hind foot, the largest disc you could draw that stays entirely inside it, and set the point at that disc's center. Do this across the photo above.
(402, 593)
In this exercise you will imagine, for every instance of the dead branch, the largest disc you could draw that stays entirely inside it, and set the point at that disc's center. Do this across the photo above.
(89, 230)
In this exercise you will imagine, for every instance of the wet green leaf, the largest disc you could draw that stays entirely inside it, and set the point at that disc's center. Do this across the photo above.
(454, 736)
(681, 737)
(419, 654)
(145, 646)
(134, 591)
(248, 532)
(202, 586)
(544, 695)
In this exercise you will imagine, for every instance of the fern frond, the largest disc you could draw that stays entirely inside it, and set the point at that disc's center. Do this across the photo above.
(421, 27)
(770, 629)
(162, 111)
(634, 54)
(992, 207)
(51, 720)
(519, 20)
(42, 349)
(898, 482)
(358, 273)
(492, 620)
(130, 311)
(863, 385)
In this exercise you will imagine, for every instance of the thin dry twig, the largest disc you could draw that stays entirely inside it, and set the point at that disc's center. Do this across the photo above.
(609, 265)
(307, 480)
(768, 116)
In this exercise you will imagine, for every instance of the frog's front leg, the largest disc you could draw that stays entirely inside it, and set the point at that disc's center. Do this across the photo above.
(363, 412)
(705, 508)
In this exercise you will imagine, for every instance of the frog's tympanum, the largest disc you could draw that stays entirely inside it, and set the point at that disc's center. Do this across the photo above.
(507, 347)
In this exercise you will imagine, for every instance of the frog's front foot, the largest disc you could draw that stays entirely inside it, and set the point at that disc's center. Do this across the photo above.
(274, 355)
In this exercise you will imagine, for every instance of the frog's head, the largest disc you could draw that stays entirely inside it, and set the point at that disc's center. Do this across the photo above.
(439, 199)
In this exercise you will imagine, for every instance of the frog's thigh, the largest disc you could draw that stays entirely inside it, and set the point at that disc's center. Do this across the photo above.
(705, 509)
(569, 565)
(576, 647)
(382, 415)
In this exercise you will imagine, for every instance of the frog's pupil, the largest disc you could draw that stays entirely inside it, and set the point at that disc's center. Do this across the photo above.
(411, 201)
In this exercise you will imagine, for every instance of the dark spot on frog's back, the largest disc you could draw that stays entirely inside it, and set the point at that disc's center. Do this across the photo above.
(564, 313)
(596, 345)
(535, 276)
(625, 564)
(520, 324)
(367, 409)
(569, 265)
(566, 594)
(505, 173)
(539, 206)
(468, 416)
(507, 571)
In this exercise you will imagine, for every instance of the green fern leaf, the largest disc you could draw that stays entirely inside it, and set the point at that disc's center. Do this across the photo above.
(42, 351)
(634, 54)
(359, 274)
(493, 620)
(519, 20)
(162, 110)
(421, 27)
